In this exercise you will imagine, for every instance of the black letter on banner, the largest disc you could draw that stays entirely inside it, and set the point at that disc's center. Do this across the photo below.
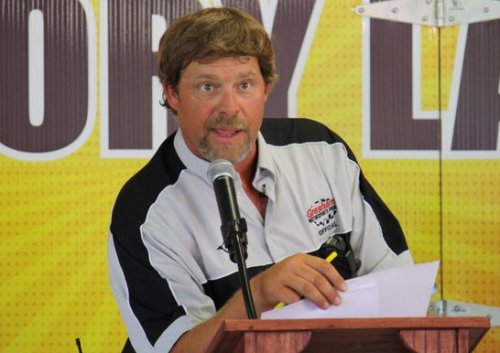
(131, 67)
(65, 75)
(132, 63)
(478, 110)
(392, 123)
(290, 25)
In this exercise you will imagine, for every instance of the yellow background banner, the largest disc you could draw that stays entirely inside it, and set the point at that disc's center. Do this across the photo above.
(54, 214)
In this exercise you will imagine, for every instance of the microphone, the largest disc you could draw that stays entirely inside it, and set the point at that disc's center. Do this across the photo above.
(221, 172)
(234, 228)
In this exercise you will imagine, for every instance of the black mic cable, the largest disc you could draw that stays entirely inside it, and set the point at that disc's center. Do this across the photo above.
(78, 345)
(221, 172)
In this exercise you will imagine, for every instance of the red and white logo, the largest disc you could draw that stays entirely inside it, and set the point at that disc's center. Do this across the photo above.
(322, 214)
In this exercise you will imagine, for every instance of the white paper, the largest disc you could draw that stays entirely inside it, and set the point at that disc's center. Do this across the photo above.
(395, 292)
(361, 300)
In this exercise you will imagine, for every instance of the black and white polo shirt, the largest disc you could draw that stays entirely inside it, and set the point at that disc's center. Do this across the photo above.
(167, 270)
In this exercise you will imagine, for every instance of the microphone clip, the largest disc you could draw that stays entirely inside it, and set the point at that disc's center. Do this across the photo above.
(232, 232)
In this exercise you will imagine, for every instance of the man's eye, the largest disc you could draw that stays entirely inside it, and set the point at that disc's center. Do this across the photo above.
(207, 87)
(246, 85)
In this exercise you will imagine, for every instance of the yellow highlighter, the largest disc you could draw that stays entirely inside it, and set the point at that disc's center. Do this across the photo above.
(329, 258)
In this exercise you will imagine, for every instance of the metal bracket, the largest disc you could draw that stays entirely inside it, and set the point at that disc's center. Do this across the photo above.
(435, 13)
(455, 308)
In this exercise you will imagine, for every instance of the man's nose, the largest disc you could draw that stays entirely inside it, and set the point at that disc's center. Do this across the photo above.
(229, 103)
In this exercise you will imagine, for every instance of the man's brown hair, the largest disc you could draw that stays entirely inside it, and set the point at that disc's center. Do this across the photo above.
(211, 34)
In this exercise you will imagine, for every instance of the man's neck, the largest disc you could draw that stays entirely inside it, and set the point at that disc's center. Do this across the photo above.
(247, 168)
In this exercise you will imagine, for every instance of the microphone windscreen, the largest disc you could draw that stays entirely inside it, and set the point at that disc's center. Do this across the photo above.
(220, 167)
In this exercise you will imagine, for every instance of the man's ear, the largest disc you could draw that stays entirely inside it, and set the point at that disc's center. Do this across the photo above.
(172, 96)
(267, 90)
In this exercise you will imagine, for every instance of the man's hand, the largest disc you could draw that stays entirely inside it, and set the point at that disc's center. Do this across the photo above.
(298, 276)
(295, 277)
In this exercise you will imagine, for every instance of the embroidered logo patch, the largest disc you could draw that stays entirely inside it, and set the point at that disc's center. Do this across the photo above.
(322, 214)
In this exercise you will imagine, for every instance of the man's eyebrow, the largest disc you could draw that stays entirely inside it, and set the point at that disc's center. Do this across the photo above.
(208, 76)
(205, 77)
(250, 73)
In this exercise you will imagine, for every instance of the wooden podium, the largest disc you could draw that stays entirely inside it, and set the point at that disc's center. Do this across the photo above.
(380, 335)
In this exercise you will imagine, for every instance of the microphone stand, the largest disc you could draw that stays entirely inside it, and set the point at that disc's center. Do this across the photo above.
(235, 240)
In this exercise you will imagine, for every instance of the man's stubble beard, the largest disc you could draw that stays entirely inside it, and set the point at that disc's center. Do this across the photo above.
(233, 153)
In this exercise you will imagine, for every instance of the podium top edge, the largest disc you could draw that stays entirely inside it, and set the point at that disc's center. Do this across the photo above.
(414, 323)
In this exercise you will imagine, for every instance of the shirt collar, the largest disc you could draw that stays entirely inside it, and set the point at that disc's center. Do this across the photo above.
(198, 166)
(193, 163)
(265, 165)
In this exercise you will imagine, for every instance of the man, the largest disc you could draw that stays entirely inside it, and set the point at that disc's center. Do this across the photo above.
(298, 185)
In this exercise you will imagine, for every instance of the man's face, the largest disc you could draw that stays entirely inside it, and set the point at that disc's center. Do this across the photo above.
(220, 107)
